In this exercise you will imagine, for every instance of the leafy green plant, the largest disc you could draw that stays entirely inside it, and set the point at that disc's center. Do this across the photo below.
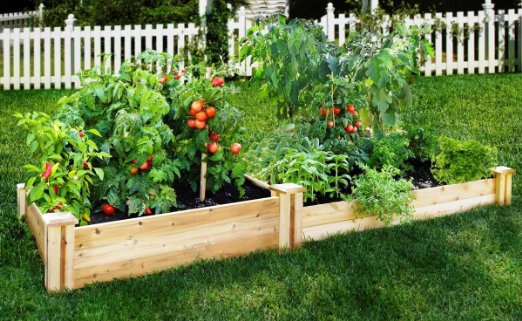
(66, 159)
(422, 142)
(289, 57)
(319, 172)
(462, 161)
(379, 193)
(391, 150)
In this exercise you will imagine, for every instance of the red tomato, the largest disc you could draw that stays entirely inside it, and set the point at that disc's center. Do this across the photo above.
(350, 108)
(201, 116)
(323, 111)
(355, 114)
(200, 124)
(337, 111)
(331, 124)
(358, 124)
(211, 112)
(212, 148)
(214, 137)
(192, 112)
(108, 210)
(148, 211)
(163, 79)
(354, 130)
(217, 82)
(235, 148)
(81, 133)
(191, 122)
(133, 170)
(349, 129)
(134, 161)
(145, 167)
(197, 106)
(85, 165)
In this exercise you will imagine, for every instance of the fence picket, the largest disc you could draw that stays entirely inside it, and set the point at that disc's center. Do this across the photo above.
(460, 43)
(47, 58)
(117, 48)
(438, 47)
(482, 42)
(501, 45)
(511, 25)
(6, 41)
(26, 40)
(57, 57)
(471, 42)
(37, 58)
(87, 58)
(16, 58)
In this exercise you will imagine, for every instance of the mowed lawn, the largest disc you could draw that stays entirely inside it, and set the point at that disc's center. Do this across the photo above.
(463, 267)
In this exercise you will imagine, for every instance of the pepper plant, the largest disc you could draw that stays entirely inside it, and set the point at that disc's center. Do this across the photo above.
(66, 166)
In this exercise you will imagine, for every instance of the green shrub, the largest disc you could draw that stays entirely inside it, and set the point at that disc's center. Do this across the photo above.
(422, 143)
(462, 161)
(378, 193)
(391, 150)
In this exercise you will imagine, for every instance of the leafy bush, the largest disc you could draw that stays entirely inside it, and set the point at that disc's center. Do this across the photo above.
(320, 172)
(462, 161)
(67, 157)
(378, 193)
(422, 143)
(289, 56)
(391, 150)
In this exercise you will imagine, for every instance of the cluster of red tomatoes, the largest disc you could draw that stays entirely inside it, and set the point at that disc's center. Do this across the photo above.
(350, 128)
(177, 74)
(200, 114)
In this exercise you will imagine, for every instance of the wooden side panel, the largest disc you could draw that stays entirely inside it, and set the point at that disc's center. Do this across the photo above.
(322, 220)
(371, 222)
(37, 226)
(449, 193)
(141, 246)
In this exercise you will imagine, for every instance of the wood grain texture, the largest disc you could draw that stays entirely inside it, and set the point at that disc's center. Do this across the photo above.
(141, 246)
(38, 228)
(319, 232)
(455, 192)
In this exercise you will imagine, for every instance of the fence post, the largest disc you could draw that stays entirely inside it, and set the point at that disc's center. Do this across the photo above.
(68, 53)
(520, 38)
(59, 228)
(290, 214)
(40, 14)
(330, 17)
(503, 184)
(241, 13)
(490, 32)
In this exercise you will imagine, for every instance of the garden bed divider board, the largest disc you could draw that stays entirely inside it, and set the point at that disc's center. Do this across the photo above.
(75, 256)
(321, 221)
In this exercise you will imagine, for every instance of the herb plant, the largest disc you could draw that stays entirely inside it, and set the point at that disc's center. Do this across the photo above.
(393, 150)
(462, 161)
(379, 193)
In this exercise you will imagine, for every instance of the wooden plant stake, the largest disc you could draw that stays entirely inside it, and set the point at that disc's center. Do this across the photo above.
(203, 175)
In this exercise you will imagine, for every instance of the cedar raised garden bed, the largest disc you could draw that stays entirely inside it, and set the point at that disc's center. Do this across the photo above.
(76, 256)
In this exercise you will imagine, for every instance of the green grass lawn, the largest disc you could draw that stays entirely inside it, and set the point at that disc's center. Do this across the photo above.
(464, 267)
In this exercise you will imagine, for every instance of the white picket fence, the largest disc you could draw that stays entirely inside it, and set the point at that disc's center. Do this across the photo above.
(21, 19)
(50, 58)
(473, 42)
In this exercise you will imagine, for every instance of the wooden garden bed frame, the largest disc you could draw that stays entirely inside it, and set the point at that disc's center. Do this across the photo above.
(75, 256)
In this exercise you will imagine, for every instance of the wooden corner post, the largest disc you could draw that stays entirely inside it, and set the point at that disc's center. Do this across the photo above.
(290, 214)
(58, 261)
(21, 203)
(503, 184)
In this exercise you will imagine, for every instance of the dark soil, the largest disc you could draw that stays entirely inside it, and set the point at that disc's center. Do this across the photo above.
(421, 175)
(190, 200)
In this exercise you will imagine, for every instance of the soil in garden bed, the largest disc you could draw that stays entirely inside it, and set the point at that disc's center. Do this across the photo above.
(190, 200)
